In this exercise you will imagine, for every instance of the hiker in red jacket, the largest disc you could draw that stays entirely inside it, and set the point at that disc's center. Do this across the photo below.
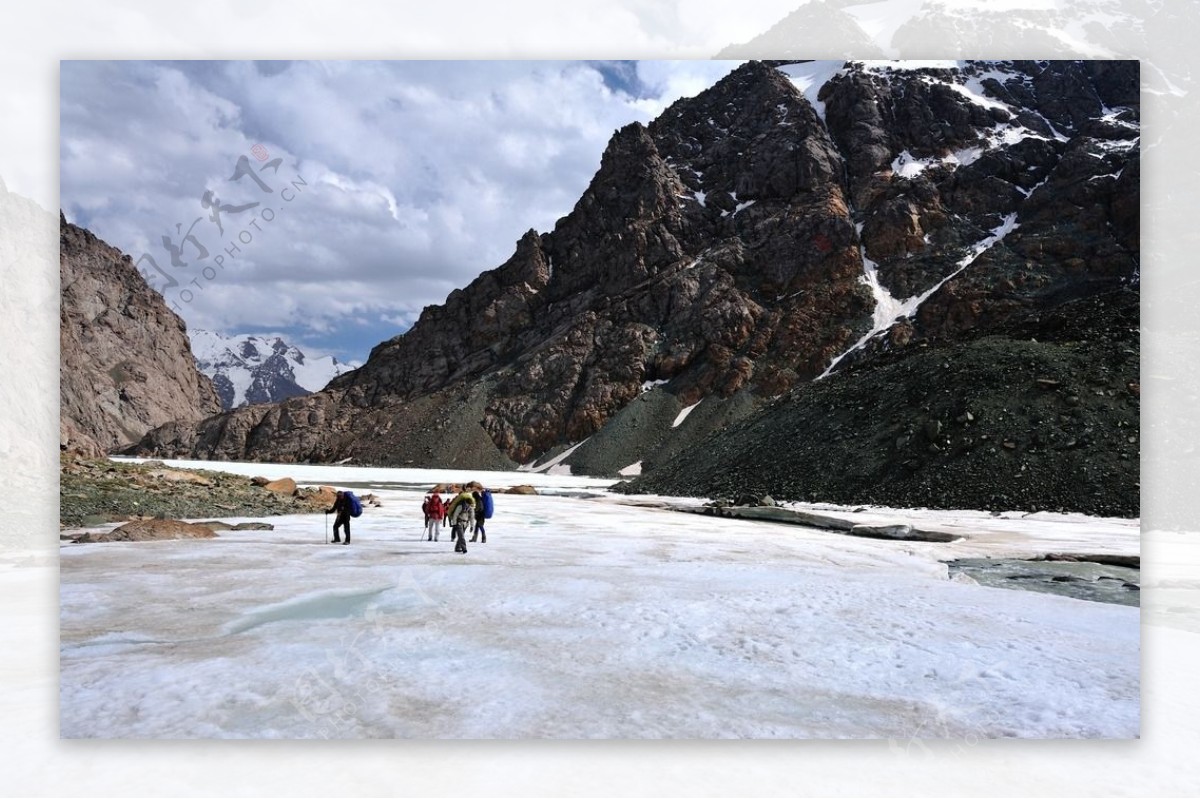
(434, 511)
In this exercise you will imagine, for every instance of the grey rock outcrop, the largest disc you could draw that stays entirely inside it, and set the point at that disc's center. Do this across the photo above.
(125, 361)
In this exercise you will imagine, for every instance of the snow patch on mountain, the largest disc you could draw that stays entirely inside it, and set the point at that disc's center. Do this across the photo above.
(889, 309)
(809, 77)
(684, 413)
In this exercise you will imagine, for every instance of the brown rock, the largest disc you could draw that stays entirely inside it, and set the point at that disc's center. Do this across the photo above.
(179, 476)
(71, 439)
(126, 363)
(321, 498)
(150, 530)
(284, 485)
(259, 481)
(521, 489)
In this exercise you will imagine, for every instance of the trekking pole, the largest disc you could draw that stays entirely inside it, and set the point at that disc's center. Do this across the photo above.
(326, 528)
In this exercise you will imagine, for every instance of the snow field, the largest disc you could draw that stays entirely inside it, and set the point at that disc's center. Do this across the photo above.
(579, 619)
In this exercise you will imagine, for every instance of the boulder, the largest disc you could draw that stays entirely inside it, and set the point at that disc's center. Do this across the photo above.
(259, 481)
(521, 489)
(216, 525)
(150, 530)
(180, 476)
(284, 485)
(322, 497)
(253, 526)
(326, 495)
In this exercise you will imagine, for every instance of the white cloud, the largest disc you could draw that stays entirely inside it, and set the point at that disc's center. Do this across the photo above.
(668, 81)
(419, 175)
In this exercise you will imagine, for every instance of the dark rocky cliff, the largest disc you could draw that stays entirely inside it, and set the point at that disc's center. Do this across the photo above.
(734, 249)
(1038, 414)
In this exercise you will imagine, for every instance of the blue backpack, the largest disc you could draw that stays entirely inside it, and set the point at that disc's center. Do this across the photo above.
(355, 504)
(488, 507)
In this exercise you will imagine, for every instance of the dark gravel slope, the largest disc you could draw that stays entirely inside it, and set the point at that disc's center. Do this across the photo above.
(1041, 415)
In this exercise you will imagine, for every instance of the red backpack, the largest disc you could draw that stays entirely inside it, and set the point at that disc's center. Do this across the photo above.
(433, 507)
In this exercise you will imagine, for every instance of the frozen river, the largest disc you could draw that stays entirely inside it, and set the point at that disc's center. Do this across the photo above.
(586, 617)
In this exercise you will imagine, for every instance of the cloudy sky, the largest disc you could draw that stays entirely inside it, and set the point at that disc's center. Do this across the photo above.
(331, 201)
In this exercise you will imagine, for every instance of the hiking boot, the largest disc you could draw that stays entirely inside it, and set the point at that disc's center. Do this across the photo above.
(336, 541)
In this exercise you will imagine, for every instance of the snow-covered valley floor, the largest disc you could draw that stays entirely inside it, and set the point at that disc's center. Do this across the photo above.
(585, 618)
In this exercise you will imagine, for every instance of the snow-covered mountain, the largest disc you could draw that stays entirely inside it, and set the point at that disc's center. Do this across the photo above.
(250, 369)
(903, 28)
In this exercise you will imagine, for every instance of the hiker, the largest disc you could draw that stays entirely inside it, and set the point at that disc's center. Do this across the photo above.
(435, 515)
(461, 512)
(341, 506)
(483, 511)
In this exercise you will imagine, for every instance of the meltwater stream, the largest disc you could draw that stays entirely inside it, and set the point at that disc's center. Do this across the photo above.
(1095, 582)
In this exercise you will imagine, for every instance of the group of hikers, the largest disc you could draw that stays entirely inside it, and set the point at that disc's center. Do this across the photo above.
(469, 509)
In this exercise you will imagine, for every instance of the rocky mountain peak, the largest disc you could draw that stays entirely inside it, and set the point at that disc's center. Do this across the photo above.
(737, 248)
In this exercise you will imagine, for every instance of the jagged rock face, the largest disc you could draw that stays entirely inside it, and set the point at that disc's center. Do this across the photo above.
(939, 158)
(713, 248)
(126, 365)
(724, 250)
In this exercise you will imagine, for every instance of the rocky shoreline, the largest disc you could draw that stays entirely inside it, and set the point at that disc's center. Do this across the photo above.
(95, 492)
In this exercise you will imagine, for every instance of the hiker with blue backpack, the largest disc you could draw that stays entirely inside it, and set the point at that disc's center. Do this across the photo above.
(483, 511)
(461, 513)
(345, 506)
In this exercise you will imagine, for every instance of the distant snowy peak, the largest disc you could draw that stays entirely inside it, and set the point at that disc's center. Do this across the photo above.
(904, 29)
(250, 369)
